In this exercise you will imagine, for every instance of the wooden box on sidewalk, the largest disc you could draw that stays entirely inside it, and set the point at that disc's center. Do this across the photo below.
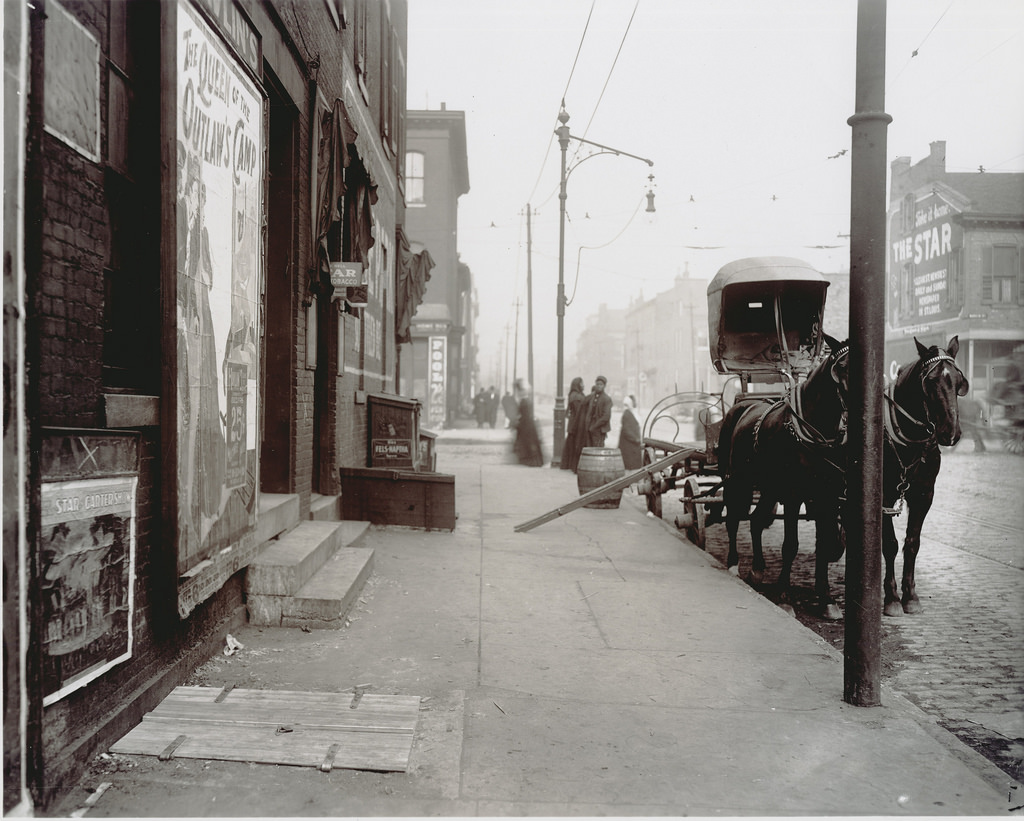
(408, 498)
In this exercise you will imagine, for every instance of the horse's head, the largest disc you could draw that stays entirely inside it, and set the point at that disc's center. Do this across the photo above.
(941, 382)
(838, 367)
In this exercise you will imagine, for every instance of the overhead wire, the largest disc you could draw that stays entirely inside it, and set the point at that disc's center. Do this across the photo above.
(914, 53)
(572, 71)
(611, 70)
(582, 248)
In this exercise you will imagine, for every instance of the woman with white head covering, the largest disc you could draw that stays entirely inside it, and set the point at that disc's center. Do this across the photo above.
(630, 444)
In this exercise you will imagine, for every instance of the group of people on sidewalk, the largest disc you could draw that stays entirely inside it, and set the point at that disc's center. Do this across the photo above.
(588, 420)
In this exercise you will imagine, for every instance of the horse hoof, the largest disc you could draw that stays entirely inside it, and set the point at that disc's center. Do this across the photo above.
(734, 570)
(832, 612)
(893, 608)
(912, 606)
(788, 608)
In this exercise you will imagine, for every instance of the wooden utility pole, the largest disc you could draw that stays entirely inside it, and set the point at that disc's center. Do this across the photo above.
(529, 303)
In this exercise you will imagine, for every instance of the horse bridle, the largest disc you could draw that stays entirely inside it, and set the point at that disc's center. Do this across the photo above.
(896, 436)
(892, 426)
(804, 431)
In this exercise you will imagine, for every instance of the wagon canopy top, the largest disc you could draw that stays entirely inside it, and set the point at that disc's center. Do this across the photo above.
(765, 316)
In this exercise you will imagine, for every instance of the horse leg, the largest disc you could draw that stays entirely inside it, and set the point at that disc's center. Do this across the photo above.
(919, 502)
(737, 503)
(790, 546)
(760, 519)
(827, 544)
(890, 548)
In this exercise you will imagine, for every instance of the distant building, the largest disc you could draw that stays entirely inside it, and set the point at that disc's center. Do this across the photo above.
(438, 365)
(666, 343)
(956, 264)
(600, 351)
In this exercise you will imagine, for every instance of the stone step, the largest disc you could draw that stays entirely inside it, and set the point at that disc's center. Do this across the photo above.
(325, 508)
(324, 601)
(278, 512)
(287, 563)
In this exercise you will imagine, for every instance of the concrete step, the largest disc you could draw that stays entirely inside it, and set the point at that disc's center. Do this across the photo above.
(325, 508)
(288, 562)
(325, 599)
(278, 512)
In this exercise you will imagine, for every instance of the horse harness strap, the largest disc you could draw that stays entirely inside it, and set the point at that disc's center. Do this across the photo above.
(896, 439)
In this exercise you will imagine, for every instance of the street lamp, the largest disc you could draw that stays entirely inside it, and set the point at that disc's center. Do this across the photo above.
(563, 141)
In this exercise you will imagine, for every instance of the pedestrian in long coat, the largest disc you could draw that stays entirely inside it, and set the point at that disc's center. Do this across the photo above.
(575, 416)
(599, 415)
(527, 444)
(630, 444)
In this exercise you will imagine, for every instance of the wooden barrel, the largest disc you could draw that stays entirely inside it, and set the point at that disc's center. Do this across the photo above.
(597, 467)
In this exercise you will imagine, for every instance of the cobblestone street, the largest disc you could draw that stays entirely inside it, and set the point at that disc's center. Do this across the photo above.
(962, 658)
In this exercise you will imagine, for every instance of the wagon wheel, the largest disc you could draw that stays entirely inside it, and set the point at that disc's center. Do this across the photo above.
(654, 495)
(695, 514)
(654, 503)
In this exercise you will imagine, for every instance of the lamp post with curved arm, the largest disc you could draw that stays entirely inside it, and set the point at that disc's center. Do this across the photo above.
(563, 141)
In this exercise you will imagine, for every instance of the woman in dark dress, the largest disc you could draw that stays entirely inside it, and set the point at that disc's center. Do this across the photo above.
(573, 444)
(629, 435)
(527, 444)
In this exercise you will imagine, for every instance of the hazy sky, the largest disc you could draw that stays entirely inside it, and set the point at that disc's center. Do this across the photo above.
(741, 104)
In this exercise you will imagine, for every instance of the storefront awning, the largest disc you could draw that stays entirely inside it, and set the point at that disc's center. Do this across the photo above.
(413, 275)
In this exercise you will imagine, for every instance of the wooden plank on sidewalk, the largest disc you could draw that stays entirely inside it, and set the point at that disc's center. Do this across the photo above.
(280, 727)
(616, 484)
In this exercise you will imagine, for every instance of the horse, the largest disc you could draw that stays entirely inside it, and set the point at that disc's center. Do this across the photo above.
(792, 450)
(921, 413)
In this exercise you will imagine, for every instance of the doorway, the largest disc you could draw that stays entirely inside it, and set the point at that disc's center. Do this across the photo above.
(276, 452)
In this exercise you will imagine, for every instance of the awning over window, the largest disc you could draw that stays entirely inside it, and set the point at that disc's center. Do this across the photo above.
(413, 275)
(336, 132)
(345, 194)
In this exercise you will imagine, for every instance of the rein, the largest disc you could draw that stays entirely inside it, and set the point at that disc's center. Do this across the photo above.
(799, 427)
(898, 438)
(802, 430)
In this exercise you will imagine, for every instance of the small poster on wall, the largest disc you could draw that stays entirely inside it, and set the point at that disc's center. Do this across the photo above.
(87, 548)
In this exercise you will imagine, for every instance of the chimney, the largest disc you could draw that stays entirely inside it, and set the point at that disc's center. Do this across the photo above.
(899, 178)
(937, 157)
(444, 106)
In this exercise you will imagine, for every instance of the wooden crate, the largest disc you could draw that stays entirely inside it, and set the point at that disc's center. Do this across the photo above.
(383, 496)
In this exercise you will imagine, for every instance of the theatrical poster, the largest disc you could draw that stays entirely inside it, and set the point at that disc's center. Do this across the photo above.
(220, 178)
(88, 557)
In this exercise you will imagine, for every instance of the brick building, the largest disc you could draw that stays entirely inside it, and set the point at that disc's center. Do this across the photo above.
(205, 277)
(956, 264)
(439, 366)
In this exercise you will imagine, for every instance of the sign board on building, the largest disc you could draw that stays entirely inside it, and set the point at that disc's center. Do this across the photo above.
(87, 545)
(437, 382)
(924, 249)
(346, 274)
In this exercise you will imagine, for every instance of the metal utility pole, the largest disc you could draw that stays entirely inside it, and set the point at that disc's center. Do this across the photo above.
(863, 629)
(563, 141)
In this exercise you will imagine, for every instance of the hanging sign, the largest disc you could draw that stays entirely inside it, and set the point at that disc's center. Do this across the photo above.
(345, 275)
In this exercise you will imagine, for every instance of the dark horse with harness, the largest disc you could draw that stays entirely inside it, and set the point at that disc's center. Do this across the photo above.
(791, 450)
(921, 413)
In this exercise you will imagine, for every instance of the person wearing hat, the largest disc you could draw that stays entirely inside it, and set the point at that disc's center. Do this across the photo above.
(629, 435)
(599, 414)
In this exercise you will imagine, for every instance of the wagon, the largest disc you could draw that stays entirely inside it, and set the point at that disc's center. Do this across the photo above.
(765, 335)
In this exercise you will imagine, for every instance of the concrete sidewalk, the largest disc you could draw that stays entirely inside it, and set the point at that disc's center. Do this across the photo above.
(597, 665)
